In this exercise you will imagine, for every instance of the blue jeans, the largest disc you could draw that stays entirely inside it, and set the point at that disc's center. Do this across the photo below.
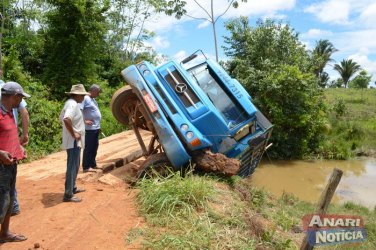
(8, 176)
(73, 164)
(91, 148)
(16, 206)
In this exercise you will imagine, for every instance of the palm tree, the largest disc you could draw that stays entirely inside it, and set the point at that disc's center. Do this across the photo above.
(321, 55)
(324, 79)
(347, 68)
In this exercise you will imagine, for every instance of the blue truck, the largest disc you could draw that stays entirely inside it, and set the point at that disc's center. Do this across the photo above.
(191, 107)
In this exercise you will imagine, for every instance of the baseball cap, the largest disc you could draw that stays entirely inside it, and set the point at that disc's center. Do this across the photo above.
(11, 88)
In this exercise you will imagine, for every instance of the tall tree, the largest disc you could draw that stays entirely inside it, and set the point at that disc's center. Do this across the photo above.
(347, 69)
(273, 65)
(7, 15)
(323, 79)
(210, 16)
(321, 55)
(74, 38)
(126, 36)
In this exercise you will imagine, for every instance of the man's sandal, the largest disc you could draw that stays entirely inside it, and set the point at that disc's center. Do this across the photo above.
(13, 238)
(72, 199)
(78, 190)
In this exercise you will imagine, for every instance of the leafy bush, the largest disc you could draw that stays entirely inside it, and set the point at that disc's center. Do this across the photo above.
(45, 128)
(273, 65)
(339, 107)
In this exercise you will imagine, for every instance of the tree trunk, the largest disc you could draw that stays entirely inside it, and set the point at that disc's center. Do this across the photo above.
(214, 31)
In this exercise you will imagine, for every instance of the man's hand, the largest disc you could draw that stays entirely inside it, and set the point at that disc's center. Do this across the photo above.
(89, 122)
(77, 136)
(5, 157)
(24, 140)
(68, 124)
(24, 153)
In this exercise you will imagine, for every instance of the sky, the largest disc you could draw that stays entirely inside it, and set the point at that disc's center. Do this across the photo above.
(350, 25)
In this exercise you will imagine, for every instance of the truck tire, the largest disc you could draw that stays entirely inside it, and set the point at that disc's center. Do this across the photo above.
(156, 165)
(122, 103)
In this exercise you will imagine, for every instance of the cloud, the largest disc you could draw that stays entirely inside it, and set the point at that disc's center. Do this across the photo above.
(332, 11)
(160, 42)
(317, 34)
(261, 8)
(351, 41)
(368, 16)
(162, 23)
(363, 60)
(203, 25)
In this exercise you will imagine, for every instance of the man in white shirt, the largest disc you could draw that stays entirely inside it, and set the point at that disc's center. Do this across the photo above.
(73, 139)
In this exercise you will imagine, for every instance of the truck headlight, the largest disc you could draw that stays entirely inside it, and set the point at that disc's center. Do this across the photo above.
(146, 72)
(184, 127)
(189, 134)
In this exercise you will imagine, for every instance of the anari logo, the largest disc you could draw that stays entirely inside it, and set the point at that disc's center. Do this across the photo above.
(329, 229)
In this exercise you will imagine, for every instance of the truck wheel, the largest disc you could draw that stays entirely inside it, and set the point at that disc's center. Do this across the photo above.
(123, 103)
(156, 165)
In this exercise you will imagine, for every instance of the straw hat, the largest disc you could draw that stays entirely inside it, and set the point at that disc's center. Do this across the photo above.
(77, 89)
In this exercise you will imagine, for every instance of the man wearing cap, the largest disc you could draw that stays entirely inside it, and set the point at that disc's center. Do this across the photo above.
(11, 152)
(73, 139)
(92, 119)
(25, 120)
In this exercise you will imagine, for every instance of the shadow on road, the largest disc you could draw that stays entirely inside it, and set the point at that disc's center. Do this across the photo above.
(52, 199)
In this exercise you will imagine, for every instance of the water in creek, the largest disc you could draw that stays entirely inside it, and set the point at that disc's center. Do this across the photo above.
(307, 179)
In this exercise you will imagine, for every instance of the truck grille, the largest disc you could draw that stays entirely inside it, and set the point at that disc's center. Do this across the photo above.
(249, 161)
(252, 156)
(188, 96)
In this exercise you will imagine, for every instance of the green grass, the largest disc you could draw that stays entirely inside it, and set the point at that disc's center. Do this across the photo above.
(351, 123)
(203, 212)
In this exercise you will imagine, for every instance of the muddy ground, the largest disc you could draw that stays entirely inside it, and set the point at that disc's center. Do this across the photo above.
(101, 221)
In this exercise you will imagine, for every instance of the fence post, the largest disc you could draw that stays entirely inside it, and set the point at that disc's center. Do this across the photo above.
(326, 197)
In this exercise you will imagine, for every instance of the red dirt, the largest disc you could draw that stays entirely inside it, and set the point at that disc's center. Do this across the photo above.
(101, 221)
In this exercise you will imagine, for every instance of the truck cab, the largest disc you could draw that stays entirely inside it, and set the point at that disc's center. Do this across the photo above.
(198, 107)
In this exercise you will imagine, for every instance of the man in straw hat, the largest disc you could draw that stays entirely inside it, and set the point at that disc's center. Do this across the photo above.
(73, 139)
(11, 152)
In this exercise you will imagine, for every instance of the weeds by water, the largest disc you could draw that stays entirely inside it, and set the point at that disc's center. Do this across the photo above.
(202, 212)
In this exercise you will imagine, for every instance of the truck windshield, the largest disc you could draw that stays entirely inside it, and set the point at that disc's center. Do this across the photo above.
(231, 113)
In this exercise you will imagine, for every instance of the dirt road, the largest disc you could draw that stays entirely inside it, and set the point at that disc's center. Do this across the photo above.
(101, 221)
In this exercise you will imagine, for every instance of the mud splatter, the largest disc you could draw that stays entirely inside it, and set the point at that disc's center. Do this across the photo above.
(217, 163)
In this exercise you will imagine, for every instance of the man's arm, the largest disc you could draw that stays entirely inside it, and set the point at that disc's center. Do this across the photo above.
(68, 124)
(25, 120)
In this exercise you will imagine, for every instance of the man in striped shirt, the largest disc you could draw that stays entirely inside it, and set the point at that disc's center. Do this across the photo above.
(11, 152)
